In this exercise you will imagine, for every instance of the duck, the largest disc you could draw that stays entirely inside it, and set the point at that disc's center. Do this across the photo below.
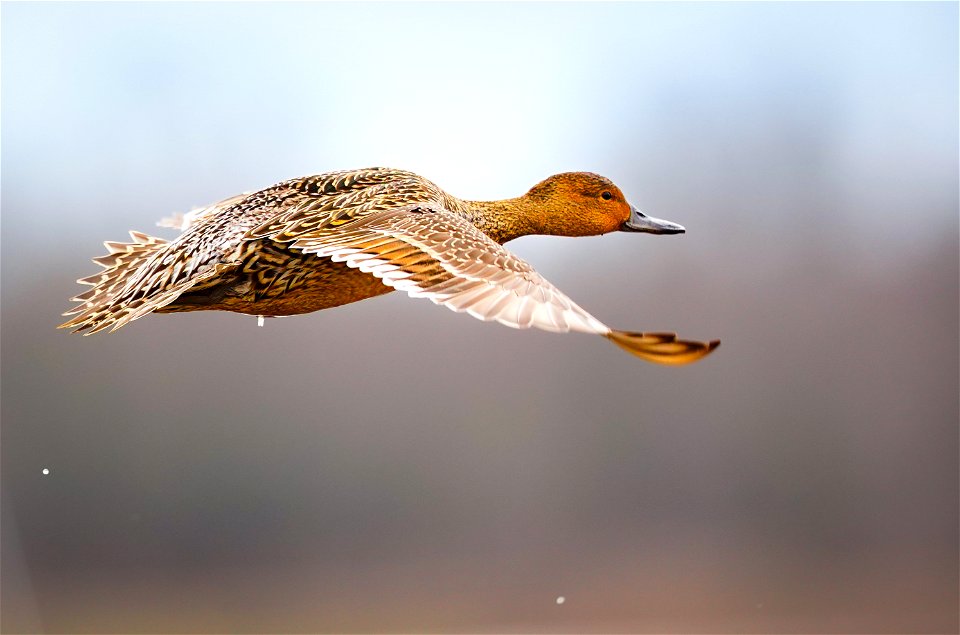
(321, 241)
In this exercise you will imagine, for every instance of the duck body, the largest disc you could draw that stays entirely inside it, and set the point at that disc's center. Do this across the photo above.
(331, 239)
(270, 278)
(275, 281)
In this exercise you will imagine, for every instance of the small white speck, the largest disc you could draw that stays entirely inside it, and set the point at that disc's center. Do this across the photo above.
(45, 471)
(259, 320)
(561, 600)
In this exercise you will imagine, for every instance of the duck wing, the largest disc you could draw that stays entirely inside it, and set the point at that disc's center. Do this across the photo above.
(431, 252)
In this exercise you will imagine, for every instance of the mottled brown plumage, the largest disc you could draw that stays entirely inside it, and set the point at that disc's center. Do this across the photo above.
(323, 241)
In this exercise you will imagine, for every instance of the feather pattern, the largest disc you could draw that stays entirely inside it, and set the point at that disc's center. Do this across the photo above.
(433, 253)
(329, 239)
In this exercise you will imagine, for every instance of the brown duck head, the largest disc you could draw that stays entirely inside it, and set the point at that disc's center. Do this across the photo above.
(587, 204)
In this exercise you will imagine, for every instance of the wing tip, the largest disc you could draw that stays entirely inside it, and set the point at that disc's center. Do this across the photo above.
(662, 348)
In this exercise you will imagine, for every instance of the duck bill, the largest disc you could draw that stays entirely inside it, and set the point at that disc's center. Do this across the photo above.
(640, 222)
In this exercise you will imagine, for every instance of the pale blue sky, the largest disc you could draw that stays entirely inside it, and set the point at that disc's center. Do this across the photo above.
(483, 98)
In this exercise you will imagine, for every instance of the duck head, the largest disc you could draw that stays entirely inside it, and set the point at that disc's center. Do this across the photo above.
(587, 204)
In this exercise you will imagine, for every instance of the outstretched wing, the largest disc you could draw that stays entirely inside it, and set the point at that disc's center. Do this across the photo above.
(433, 253)
(430, 252)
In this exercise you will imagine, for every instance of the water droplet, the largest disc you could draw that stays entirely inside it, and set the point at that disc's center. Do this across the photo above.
(259, 320)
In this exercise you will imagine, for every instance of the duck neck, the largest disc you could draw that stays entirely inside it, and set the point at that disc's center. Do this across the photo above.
(505, 219)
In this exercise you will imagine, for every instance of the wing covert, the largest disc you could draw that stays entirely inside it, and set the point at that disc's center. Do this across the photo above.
(435, 254)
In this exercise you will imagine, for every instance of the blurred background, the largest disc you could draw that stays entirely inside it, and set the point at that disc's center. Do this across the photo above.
(391, 466)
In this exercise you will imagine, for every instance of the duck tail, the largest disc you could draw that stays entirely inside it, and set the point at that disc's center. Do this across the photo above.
(101, 306)
(662, 348)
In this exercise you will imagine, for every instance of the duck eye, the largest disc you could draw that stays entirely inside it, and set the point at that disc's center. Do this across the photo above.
(606, 196)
